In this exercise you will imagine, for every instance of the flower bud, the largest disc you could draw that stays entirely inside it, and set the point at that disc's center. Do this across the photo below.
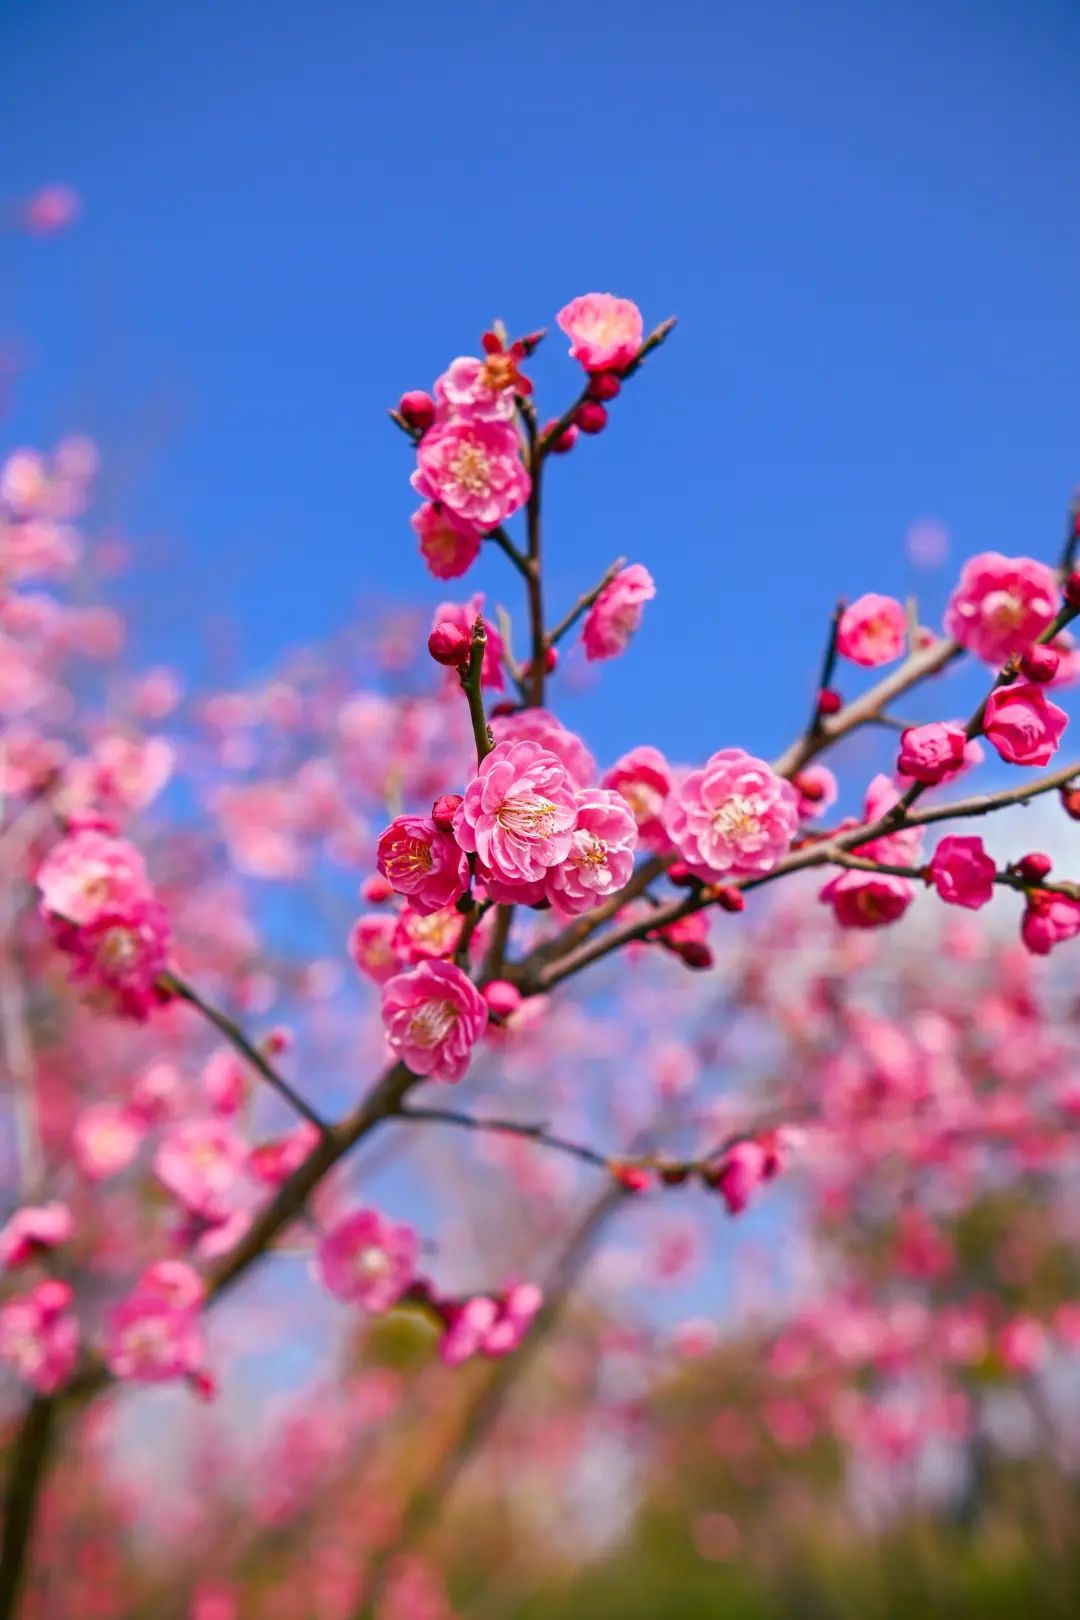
(1034, 867)
(590, 416)
(448, 644)
(551, 663)
(729, 899)
(631, 1177)
(1071, 589)
(375, 889)
(682, 877)
(502, 997)
(696, 955)
(829, 702)
(417, 409)
(1040, 664)
(442, 811)
(604, 385)
(1070, 802)
(566, 440)
(673, 1175)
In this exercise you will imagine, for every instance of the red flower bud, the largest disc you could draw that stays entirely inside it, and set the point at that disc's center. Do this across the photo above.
(829, 702)
(566, 440)
(375, 889)
(551, 663)
(499, 710)
(729, 899)
(1070, 802)
(1040, 664)
(696, 954)
(502, 997)
(417, 408)
(590, 416)
(604, 385)
(633, 1177)
(442, 811)
(809, 788)
(673, 1175)
(1071, 589)
(447, 644)
(680, 874)
(1034, 867)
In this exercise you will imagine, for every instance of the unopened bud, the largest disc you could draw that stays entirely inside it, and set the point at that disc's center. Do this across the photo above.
(604, 385)
(590, 416)
(442, 811)
(1034, 867)
(1040, 664)
(829, 702)
(502, 997)
(375, 889)
(448, 644)
(417, 409)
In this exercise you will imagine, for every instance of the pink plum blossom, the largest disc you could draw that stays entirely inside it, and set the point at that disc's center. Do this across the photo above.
(868, 899)
(122, 957)
(367, 1260)
(152, 1339)
(540, 726)
(1023, 725)
(1001, 605)
(33, 1230)
(601, 856)
(474, 469)
(743, 1168)
(817, 791)
(448, 545)
(644, 778)
(421, 861)
(199, 1162)
(616, 613)
(274, 1162)
(518, 813)
(371, 947)
(433, 1015)
(733, 816)
(1050, 919)
(872, 631)
(39, 1336)
(106, 1139)
(89, 872)
(472, 390)
(962, 872)
(423, 937)
(605, 332)
(932, 753)
(463, 615)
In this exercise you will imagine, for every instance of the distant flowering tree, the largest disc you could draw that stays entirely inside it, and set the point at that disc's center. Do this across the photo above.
(498, 863)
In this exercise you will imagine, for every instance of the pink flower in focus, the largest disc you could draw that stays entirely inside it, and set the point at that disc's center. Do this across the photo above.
(420, 938)
(605, 332)
(643, 777)
(367, 1261)
(601, 856)
(33, 1230)
(518, 813)
(872, 631)
(1050, 919)
(433, 1016)
(89, 872)
(962, 872)
(932, 752)
(867, 899)
(463, 615)
(200, 1162)
(733, 816)
(1001, 605)
(540, 726)
(371, 947)
(420, 861)
(474, 469)
(39, 1336)
(447, 545)
(1023, 725)
(616, 613)
(472, 390)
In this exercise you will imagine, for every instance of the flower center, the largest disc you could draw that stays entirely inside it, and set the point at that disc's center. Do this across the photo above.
(1003, 610)
(372, 1261)
(593, 852)
(471, 468)
(432, 1022)
(118, 949)
(527, 815)
(409, 858)
(738, 819)
(644, 801)
(498, 372)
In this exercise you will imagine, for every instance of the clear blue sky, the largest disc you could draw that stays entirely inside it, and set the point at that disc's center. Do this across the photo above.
(866, 215)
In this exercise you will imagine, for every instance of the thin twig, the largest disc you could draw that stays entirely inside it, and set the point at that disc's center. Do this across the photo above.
(584, 603)
(472, 675)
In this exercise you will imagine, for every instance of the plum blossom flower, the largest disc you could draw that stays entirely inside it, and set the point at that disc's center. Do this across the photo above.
(152, 1338)
(616, 613)
(39, 1336)
(872, 631)
(1049, 919)
(605, 332)
(518, 813)
(933, 752)
(273, 1162)
(1023, 725)
(422, 938)
(105, 1140)
(372, 949)
(962, 872)
(433, 1015)
(901, 848)
(472, 390)
(743, 1168)
(122, 955)
(643, 777)
(1000, 605)
(367, 1260)
(447, 545)
(601, 856)
(541, 726)
(89, 872)
(817, 791)
(867, 899)
(733, 816)
(474, 469)
(200, 1162)
(421, 861)
(463, 616)
(33, 1230)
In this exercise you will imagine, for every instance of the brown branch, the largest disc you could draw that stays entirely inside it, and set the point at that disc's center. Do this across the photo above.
(828, 666)
(555, 432)
(472, 675)
(26, 1474)
(584, 603)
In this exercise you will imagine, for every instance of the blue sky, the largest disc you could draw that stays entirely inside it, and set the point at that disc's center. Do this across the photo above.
(865, 215)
